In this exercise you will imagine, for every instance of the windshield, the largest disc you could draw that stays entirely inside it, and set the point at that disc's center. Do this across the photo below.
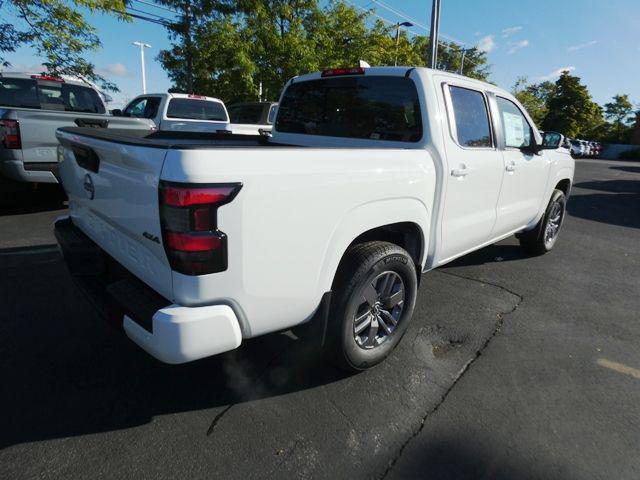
(47, 95)
(371, 107)
(193, 109)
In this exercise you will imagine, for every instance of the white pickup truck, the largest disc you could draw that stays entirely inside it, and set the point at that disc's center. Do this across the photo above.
(372, 176)
(179, 112)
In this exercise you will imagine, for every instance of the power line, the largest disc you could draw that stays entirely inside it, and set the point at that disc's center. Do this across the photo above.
(390, 22)
(155, 5)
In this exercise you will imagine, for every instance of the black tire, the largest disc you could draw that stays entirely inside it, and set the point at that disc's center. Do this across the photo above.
(537, 241)
(387, 270)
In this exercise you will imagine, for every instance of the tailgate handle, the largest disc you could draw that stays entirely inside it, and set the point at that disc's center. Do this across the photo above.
(86, 158)
(92, 122)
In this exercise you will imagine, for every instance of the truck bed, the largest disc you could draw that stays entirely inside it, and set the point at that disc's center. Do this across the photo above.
(170, 140)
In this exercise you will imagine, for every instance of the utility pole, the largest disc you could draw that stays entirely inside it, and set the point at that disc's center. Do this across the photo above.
(142, 47)
(398, 25)
(464, 52)
(435, 27)
(188, 49)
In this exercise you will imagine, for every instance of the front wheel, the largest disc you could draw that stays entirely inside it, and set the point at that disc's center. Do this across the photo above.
(373, 299)
(543, 237)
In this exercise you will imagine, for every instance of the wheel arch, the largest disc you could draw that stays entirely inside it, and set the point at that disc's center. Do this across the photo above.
(379, 220)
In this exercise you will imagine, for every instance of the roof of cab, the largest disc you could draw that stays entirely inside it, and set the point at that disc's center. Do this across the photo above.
(34, 76)
(181, 95)
(402, 71)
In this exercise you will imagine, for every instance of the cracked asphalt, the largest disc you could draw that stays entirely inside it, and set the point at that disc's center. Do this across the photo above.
(513, 367)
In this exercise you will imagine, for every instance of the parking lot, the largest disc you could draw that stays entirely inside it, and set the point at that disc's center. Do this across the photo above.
(513, 367)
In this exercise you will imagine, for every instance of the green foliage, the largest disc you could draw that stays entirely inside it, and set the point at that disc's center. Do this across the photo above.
(620, 113)
(534, 97)
(571, 110)
(243, 44)
(58, 32)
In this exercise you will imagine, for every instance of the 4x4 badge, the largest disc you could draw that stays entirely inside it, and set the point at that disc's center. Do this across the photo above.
(151, 237)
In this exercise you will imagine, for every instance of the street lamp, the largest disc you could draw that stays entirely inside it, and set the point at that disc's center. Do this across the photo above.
(142, 47)
(398, 25)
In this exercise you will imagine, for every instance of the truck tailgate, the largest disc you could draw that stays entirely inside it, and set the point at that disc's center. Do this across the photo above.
(38, 129)
(113, 198)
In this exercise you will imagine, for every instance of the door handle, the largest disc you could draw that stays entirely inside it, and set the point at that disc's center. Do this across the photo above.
(511, 166)
(460, 172)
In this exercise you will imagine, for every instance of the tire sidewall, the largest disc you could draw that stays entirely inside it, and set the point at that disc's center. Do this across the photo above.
(558, 196)
(357, 357)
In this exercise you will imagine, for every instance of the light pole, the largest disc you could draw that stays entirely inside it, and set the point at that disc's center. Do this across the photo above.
(142, 47)
(398, 25)
(435, 27)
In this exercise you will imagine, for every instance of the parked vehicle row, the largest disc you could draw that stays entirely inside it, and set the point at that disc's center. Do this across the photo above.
(32, 108)
(584, 148)
(371, 176)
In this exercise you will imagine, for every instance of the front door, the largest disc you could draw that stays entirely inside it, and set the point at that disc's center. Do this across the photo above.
(526, 173)
(473, 174)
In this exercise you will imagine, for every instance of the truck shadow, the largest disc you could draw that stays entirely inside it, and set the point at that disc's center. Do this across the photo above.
(626, 169)
(67, 373)
(21, 198)
(619, 203)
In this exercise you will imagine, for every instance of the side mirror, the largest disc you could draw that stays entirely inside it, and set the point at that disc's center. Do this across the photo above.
(116, 112)
(552, 140)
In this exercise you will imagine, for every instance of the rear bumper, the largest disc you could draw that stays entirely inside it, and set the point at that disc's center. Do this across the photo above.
(37, 173)
(171, 333)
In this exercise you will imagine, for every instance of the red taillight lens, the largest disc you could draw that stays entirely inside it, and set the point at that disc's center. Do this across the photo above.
(175, 196)
(10, 134)
(187, 242)
(188, 213)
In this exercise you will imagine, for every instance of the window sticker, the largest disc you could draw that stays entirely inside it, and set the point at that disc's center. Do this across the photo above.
(513, 129)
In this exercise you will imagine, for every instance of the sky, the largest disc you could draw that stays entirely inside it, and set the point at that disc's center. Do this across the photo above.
(594, 39)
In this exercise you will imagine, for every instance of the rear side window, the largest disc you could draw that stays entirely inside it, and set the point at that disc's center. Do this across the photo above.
(245, 113)
(471, 117)
(70, 98)
(193, 109)
(368, 107)
(272, 114)
(517, 132)
(18, 92)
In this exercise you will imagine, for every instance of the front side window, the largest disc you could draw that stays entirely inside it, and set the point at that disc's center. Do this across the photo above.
(193, 109)
(366, 107)
(471, 117)
(517, 132)
(137, 108)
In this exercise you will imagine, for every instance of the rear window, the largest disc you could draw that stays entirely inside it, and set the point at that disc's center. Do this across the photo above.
(371, 107)
(245, 113)
(26, 93)
(193, 109)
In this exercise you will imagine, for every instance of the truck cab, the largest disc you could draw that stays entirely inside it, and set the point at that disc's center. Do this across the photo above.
(179, 112)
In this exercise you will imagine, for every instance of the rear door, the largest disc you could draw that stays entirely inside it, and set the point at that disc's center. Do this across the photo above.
(525, 173)
(474, 171)
(113, 198)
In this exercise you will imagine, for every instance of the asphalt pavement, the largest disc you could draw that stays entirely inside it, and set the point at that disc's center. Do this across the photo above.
(513, 367)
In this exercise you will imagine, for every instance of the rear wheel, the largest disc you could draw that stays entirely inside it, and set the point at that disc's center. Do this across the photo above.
(373, 299)
(543, 237)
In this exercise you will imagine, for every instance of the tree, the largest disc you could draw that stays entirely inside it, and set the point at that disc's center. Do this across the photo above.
(620, 113)
(534, 97)
(571, 110)
(57, 30)
(246, 44)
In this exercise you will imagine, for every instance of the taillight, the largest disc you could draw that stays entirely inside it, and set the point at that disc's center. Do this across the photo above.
(10, 134)
(188, 214)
